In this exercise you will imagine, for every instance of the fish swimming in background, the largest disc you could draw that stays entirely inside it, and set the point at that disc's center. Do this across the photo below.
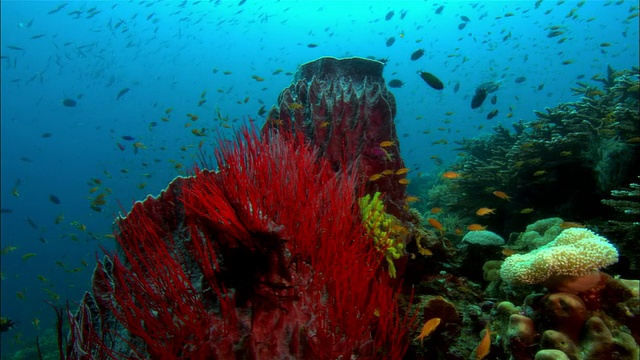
(122, 92)
(478, 98)
(390, 41)
(417, 54)
(54, 199)
(69, 102)
(431, 80)
(395, 83)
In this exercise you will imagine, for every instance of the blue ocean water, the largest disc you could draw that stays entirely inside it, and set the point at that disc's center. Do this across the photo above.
(116, 145)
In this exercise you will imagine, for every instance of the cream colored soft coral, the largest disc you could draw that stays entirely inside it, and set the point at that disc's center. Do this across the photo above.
(575, 253)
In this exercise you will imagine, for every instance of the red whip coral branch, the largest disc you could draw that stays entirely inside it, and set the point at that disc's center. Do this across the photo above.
(266, 258)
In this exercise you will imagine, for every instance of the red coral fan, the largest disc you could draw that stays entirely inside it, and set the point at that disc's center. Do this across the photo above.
(266, 258)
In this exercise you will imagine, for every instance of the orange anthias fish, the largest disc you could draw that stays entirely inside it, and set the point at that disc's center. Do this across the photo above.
(476, 227)
(485, 345)
(428, 328)
(436, 224)
(502, 195)
(484, 211)
(571, 224)
(450, 175)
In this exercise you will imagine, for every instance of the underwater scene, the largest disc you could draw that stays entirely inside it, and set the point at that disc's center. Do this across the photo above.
(242, 179)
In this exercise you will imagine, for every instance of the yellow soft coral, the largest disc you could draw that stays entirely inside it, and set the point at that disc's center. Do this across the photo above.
(386, 229)
(575, 252)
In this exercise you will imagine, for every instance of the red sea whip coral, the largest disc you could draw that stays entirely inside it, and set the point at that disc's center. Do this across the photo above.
(259, 260)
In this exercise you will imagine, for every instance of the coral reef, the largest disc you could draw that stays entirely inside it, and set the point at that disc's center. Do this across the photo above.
(567, 262)
(290, 249)
(260, 259)
(574, 153)
(569, 326)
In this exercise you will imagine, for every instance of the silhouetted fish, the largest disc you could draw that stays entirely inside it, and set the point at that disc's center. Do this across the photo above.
(122, 92)
(69, 102)
(389, 15)
(54, 199)
(431, 80)
(417, 54)
(395, 83)
(390, 41)
(478, 98)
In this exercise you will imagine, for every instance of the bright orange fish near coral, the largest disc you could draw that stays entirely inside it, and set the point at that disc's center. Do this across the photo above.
(450, 175)
(428, 328)
(436, 224)
(502, 195)
(485, 345)
(485, 211)
(476, 227)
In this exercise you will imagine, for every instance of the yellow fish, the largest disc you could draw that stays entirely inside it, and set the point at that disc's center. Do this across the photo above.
(428, 328)
(386, 143)
(402, 171)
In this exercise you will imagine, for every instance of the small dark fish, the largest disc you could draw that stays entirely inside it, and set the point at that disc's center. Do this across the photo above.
(492, 114)
(417, 54)
(461, 26)
(127, 137)
(439, 10)
(456, 88)
(431, 80)
(69, 102)
(26, 159)
(55, 10)
(520, 79)
(54, 199)
(464, 18)
(240, 3)
(262, 111)
(478, 98)
(13, 47)
(540, 87)
(31, 223)
(37, 36)
(395, 83)
(122, 92)
(6, 211)
(46, 135)
(489, 86)
(312, 45)
(390, 41)
(389, 15)
(494, 100)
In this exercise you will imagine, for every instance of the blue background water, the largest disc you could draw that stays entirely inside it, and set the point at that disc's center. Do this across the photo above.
(169, 58)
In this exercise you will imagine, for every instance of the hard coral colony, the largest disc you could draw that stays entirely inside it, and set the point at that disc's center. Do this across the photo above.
(260, 260)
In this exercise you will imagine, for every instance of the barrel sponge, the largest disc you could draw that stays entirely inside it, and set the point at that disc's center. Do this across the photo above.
(574, 252)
